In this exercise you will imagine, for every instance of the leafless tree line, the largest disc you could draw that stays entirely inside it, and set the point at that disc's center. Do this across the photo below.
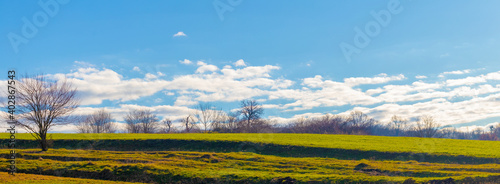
(206, 118)
(356, 123)
(360, 124)
(248, 119)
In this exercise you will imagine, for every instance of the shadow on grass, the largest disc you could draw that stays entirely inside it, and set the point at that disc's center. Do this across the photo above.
(260, 148)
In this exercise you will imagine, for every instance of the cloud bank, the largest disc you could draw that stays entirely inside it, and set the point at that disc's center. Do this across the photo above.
(451, 101)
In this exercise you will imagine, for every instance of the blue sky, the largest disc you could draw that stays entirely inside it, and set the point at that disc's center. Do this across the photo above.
(431, 57)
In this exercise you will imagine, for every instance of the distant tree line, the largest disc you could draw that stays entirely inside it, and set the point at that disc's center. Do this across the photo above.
(248, 119)
(360, 124)
(205, 119)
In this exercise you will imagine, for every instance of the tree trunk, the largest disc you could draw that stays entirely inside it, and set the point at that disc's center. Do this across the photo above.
(44, 145)
(43, 142)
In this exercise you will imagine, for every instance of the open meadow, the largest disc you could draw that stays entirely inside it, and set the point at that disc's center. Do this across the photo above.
(256, 158)
(250, 92)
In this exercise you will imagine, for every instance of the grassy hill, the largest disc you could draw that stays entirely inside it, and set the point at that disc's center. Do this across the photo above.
(259, 158)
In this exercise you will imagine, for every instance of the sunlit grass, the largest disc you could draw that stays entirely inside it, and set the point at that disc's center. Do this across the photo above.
(353, 142)
(21, 178)
(204, 163)
(238, 166)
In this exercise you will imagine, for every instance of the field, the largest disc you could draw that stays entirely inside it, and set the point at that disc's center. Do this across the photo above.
(41, 179)
(257, 158)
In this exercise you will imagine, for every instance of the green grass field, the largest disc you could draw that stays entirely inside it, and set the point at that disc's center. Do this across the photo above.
(352, 142)
(259, 158)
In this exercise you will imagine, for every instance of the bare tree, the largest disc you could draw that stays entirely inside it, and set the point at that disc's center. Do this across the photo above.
(228, 123)
(496, 131)
(251, 110)
(358, 123)
(189, 123)
(132, 122)
(167, 125)
(141, 121)
(219, 120)
(98, 122)
(327, 124)
(207, 115)
(488, 136)
(426, 126)
(44, 103)
(399, 124)
(300, 125)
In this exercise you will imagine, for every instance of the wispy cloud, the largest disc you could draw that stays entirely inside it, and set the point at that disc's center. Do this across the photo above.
(83, 64)
(186, 62)
(150, 76)
(380, 79)
(179, 34)
(421, 77)
(458, 72)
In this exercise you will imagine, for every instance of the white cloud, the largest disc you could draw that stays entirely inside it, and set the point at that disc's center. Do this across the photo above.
(466, 81)
(201, 63)
(136, 68)
(421, 77)
(250, 72)
(414, 92)
(94, 85)
(372, 92)
(3, 92)
(163, 111)
(180, 33)
(83, 64)
(150, 76)
(315, 82)
(309, 63)
(228, 85)
(207, 84)
(492, 76)
(204, 68)
(444, 111)
(240, 63)
(324, 93)
(186, 62)
(458, 72)
(380, 79)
